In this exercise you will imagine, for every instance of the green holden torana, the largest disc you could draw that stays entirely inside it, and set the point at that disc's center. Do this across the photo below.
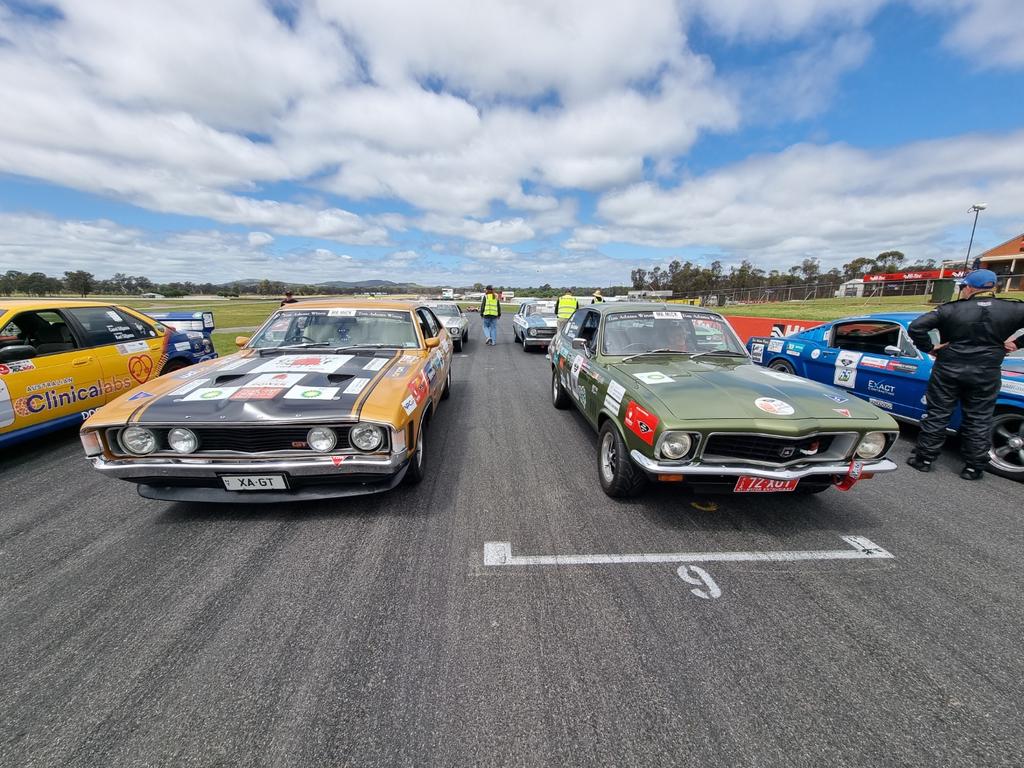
(675, 398)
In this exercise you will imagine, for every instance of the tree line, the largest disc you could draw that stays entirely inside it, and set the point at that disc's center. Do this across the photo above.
(689, 278)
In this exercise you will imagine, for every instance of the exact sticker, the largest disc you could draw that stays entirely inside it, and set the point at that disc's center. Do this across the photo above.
(653, 377)
(356, 386)
(311, 393)
(211, 393)
(376, 364)
(874, 362)
(776, 345)
(185, 389)
(256, 393)
(182, 346)
(774, 407)
(132, 347)
(641, 422)
(16, 366)
(280, 380)
(307, 363)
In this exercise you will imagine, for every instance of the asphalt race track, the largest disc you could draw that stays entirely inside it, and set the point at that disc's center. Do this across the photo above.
(370, 631)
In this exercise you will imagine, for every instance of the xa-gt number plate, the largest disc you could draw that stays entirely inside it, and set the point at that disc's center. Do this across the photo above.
(747, 484)
(255, 482)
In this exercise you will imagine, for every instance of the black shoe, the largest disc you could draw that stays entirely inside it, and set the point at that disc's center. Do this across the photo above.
(921, 465)
(972, 473)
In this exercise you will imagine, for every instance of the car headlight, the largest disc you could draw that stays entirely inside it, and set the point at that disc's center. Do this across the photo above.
(138, 440)
(675, 445)
(322, 439)
(366, 437)
(872, 446)
(532, 331)
(454, 330)
(182, 440)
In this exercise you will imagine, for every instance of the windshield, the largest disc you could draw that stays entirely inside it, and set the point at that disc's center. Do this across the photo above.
(628, 333)
(445, 310)
(545, 310)
(338, 327)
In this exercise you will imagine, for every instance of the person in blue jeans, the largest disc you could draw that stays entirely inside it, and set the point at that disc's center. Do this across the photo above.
(490, 311)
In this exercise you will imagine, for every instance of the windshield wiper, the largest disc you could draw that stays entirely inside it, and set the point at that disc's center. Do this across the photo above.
(664, 351)
(718, 352)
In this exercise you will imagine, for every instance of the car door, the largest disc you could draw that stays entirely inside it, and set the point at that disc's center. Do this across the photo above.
(62, 382)
(583, 374)
(130, 351)
(438, 358)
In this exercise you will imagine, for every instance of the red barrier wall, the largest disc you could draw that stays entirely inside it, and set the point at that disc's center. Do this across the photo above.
(746, 327)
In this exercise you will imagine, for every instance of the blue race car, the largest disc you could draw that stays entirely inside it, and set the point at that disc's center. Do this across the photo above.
(873, 358)
(192, 338)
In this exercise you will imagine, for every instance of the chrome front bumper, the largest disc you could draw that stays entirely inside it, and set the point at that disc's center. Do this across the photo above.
(736, 470)
(312, 466)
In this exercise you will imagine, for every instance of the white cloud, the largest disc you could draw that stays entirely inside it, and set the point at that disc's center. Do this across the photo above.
(831, 201)
(259, 239)
(989, 32)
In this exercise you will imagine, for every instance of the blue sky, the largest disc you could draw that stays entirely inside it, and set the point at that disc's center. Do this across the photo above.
(475, 140)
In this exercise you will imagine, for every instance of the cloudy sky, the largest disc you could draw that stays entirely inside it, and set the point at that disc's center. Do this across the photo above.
(514, 141)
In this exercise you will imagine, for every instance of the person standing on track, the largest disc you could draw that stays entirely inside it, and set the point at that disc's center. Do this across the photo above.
(490, 311)
(288, 298)
(975, 335)
(564, 307)
(598, 298)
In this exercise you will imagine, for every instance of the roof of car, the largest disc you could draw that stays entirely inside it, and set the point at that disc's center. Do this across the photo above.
(347, 303)
(27, 304)
(894, 317)
(647, 306)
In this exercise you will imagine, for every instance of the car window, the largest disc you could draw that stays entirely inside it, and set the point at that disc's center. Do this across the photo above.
(338, 327)
(870, 336)
(428, 323)
(435, 324)
(108, 325)
(45, 330)
(588, 329)
(631, 332)
(572, 326)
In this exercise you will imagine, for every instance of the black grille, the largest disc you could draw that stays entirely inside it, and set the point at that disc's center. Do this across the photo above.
(260, 439)
(776, 450)
(544, 332)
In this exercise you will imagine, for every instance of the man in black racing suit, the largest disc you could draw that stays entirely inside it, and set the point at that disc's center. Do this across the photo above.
(974, 335)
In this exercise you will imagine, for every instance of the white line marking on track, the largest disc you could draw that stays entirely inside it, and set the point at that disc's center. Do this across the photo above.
(500, 553)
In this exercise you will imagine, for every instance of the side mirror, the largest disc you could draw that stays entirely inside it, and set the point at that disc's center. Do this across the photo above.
(17, 352)
(241, 341)
(580, 344)
(893, 351)
(433, 342)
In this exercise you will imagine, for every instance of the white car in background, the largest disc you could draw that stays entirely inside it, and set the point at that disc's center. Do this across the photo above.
(453, 318)
(535, 323)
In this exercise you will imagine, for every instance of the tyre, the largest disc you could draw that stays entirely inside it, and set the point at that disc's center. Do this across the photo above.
(559, 397)
(458, 345)
(447, 391)
(782, 366)
(1006, 457)
(526, 347)
(620, 477)
(416, 472)
(173, 365)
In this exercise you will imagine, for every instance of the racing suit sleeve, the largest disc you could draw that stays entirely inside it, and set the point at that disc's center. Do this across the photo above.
(919, 328)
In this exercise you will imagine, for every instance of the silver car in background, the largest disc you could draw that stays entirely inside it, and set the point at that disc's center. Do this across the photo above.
(534, 325)
(453, 318)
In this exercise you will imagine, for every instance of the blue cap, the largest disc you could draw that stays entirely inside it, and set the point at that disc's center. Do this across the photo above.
(981, 278)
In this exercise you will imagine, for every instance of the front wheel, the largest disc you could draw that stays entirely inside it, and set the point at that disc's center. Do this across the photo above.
(1006, 457)
(458, 345)
(781, 366)
(173, 365)
(415, 472)
(526, 347)
(559, 397)
(620, 477)
(447, 391)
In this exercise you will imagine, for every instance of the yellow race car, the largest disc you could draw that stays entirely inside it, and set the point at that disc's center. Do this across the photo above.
(328, 398)
(61, 360)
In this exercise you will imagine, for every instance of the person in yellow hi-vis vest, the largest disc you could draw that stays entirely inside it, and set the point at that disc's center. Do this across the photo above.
(490, 311)
(564, 307)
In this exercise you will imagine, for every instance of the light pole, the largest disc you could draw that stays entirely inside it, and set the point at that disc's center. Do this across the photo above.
(977, 208)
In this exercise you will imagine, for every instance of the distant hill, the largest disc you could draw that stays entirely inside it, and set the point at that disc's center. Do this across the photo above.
(338, 284)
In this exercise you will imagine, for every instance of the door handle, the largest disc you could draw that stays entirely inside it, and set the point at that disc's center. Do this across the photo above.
(80, 361)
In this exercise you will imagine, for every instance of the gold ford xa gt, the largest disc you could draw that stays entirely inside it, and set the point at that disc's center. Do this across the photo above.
(327, 399)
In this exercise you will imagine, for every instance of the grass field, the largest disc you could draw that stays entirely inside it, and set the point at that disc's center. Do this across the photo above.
(246, 314)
